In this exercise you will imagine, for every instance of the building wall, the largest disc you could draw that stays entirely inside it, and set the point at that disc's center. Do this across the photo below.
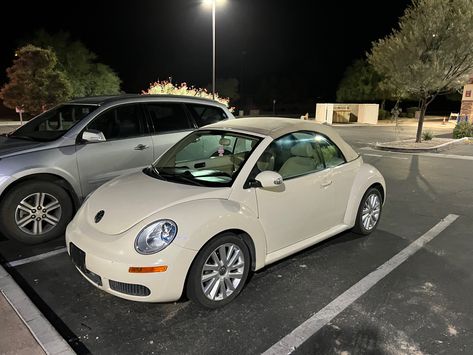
(467, 102)
(344, 113)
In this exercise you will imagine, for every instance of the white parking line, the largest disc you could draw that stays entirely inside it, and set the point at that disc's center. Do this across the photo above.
(36, 257)
(312, 325)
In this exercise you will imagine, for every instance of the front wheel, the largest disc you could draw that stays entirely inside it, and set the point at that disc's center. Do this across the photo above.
(35, 212)
(369, 212)
(219, 272)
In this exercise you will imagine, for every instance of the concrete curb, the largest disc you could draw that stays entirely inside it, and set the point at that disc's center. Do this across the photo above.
(11, 123)
(436, 149)
(45, 334)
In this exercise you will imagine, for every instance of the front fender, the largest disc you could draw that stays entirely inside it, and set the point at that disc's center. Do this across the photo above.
(366, 176)
(201, 220)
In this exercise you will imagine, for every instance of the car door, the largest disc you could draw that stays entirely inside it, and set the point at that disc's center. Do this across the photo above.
(169, 122)
(127, 148)
(299, 209)
(340, 178)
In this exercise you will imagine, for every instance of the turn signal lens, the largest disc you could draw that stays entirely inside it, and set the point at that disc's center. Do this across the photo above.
(146, 269)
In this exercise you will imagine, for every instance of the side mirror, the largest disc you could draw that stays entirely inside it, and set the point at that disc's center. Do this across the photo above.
(269, 179)
(93, 136)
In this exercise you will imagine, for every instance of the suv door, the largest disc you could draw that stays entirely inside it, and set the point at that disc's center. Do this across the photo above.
(127, 148)
(169, 122)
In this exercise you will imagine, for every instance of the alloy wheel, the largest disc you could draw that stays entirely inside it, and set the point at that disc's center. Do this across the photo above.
(222, 272)
(38, 213)
(371, 211)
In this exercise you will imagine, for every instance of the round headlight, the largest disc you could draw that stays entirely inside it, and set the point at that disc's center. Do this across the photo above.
(155, 237)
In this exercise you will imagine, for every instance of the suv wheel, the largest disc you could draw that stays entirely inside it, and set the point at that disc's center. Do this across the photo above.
(34, 212)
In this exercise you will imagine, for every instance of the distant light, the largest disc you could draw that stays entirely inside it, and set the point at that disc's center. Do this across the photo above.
(209, 3)
(434, 35)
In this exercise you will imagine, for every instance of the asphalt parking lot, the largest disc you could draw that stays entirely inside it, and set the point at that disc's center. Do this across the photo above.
(422, 306)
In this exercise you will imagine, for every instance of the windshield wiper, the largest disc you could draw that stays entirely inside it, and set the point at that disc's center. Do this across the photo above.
(215, 173)
(183, 176)
(21, 137)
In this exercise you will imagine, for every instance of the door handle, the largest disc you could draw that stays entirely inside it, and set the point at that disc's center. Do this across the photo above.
(326, 183)
(141, 147)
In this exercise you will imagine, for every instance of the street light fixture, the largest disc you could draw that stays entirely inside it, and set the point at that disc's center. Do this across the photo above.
(213, 4)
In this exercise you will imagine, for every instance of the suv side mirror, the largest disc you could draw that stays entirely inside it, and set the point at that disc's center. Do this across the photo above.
(93, 136)
(269, 179)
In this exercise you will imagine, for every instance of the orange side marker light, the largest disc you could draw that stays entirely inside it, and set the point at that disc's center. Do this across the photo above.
(147, 269)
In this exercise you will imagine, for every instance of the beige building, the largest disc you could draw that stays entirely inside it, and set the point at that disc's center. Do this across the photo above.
(347, 113)
(467, 101)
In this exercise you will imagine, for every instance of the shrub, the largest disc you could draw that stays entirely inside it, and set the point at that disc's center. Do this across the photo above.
(427, 135)
(167, 88)
(411, 112)
(463, 129)
(383, 114)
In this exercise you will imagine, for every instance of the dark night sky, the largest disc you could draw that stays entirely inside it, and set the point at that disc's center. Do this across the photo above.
(309, 43)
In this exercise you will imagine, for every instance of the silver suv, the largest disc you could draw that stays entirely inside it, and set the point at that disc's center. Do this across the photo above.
(49, 165)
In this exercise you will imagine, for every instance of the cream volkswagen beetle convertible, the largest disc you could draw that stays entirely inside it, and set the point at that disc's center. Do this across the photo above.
(228, 199)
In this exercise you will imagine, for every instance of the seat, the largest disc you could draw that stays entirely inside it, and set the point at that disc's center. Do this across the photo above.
(266, 161)
(302, 161)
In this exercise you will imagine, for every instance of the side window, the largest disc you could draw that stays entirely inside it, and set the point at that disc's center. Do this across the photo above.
(168, 117)
(204, 115)
(292, 155)
(330, 152)
(119, 123)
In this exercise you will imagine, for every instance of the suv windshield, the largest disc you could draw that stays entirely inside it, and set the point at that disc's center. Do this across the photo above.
(206, 158)
(52, 124)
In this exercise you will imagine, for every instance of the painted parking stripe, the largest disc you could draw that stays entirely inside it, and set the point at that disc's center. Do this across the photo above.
(36, 257)
(312, 325)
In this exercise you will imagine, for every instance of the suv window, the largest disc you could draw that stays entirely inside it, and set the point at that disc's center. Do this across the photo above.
(168, 117)
(121, 122)
(52, 124)
(204, 115)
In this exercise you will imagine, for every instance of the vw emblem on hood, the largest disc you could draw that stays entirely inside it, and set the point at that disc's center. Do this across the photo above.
(99, 216)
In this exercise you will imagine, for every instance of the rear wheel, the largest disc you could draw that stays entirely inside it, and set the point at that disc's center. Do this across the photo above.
(219, 272)
(35, 212)
(369, 212)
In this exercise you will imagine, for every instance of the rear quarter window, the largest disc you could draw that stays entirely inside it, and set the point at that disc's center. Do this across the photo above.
(204, 115)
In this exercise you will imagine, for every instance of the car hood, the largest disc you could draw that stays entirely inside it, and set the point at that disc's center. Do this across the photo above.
(9, 146)
(130, 199)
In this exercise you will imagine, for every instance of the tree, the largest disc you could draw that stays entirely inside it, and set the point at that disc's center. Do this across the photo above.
(360, 82)
(227, 87)
(165, 87)
(35, 83)
(431, 53)
(86, 76)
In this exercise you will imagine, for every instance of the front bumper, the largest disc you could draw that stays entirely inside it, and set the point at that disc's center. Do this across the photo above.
(108, 258)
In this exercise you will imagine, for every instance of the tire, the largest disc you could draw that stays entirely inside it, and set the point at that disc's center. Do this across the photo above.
(371, 205)
(23, 221)
(218, 280)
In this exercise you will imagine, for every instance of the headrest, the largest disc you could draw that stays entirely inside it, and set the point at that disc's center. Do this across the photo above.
(303, 149)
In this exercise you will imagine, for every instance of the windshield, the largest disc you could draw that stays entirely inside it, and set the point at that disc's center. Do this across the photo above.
(206, 158)
(52, 124)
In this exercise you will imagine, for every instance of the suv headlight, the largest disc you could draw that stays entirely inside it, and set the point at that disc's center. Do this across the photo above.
(155, 237)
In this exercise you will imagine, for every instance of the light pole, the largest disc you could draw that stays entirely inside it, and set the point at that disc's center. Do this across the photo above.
(213, 48)
(213, 3)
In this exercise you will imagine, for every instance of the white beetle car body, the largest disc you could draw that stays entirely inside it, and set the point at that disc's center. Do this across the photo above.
(272, 221)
